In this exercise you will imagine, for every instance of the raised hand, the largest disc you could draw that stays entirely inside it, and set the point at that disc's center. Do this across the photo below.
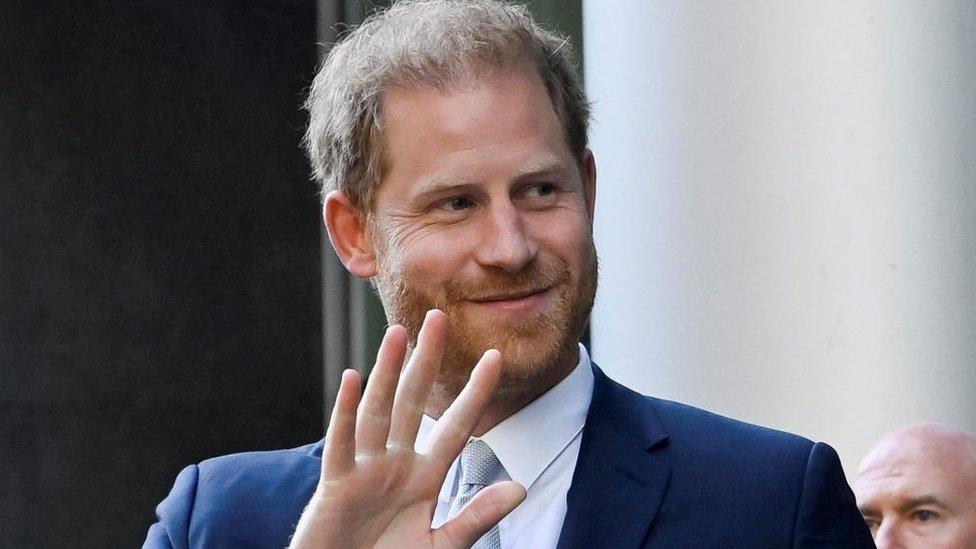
(375, 489)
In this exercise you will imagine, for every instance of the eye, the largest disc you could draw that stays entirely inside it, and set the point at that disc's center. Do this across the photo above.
(924, 515)
(541, 189)
(457, 203)
(873, 524)
(539, 196)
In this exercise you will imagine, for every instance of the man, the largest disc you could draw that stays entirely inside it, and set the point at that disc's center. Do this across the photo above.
(917, 488)
(450, 138)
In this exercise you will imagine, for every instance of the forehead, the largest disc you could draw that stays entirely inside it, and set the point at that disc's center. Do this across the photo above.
(470, 95)
(504, 116)
(901, 474)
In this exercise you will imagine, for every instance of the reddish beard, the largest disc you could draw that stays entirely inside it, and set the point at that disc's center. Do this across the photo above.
(532, 346)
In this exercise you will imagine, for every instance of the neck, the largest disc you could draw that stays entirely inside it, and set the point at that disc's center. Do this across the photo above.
(514, 392)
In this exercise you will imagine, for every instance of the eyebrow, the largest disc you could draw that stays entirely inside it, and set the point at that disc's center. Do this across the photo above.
(433, 188)
(544, 167)
(868, 510)
(927, 499)
(436, 185)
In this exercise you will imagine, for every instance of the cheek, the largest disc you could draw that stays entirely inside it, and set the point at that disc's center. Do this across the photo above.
(570, 241)
(432, 260)
(963, 531)
(569, 218)
(415, 250)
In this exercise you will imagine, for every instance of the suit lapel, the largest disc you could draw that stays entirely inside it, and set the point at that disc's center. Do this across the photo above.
(622, 471)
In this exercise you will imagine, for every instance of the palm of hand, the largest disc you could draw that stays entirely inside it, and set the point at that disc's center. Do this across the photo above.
(386, 494)
(375, 489)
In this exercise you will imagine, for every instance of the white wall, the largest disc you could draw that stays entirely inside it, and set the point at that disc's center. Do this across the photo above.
(786, 212)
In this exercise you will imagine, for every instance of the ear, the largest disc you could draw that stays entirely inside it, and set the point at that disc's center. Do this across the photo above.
(348, 233)
(588, 172)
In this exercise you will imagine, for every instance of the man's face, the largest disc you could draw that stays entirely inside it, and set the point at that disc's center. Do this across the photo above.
(917, 492)
(485, 213)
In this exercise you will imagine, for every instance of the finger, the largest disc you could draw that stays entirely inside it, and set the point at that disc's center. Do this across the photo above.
(417, 378)
(373, 419)
(454, 428)
(485, 510)
(339, 453)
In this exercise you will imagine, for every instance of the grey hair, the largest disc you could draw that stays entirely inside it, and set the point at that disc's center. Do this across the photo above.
(418, 43)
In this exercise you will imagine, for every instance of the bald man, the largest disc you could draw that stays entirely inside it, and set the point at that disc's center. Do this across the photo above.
(917, 488)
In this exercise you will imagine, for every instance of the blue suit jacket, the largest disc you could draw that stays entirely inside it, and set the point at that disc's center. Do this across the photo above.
(650, 473)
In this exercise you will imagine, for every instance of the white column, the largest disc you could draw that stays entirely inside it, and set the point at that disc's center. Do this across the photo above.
(786, 211)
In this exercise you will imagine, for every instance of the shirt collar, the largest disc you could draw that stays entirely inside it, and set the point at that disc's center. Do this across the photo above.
(529, 440)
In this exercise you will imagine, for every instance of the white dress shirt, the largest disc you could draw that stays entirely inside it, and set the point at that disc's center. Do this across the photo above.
(538, 447)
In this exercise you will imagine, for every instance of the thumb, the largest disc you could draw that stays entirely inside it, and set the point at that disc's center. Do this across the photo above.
(485, 510)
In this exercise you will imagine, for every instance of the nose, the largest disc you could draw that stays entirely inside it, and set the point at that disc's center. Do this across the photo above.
(888, 536)
(505, 242)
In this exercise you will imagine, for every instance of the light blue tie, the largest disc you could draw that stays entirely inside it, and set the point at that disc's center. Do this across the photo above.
(479, 468)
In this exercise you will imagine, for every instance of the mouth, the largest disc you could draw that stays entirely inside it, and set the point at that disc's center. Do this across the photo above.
(509, 296)
(520, 301)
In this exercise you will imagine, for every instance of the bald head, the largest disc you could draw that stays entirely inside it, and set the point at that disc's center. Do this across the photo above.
(917, 488)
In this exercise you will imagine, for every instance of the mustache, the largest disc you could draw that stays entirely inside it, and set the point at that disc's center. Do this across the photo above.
(495, 284)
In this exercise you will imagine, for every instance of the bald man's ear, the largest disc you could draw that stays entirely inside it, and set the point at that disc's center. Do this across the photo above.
(588, 172)
(349, 234)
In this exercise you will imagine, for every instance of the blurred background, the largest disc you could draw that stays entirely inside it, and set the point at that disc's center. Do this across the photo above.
(786, 221)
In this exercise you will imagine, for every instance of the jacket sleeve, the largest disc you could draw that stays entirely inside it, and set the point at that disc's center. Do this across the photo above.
(827, 515)
(172, 527)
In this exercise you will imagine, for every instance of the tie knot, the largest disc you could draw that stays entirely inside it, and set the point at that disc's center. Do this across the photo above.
(479, 465)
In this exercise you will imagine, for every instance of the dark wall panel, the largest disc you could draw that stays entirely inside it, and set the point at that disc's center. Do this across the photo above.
(159, 254)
